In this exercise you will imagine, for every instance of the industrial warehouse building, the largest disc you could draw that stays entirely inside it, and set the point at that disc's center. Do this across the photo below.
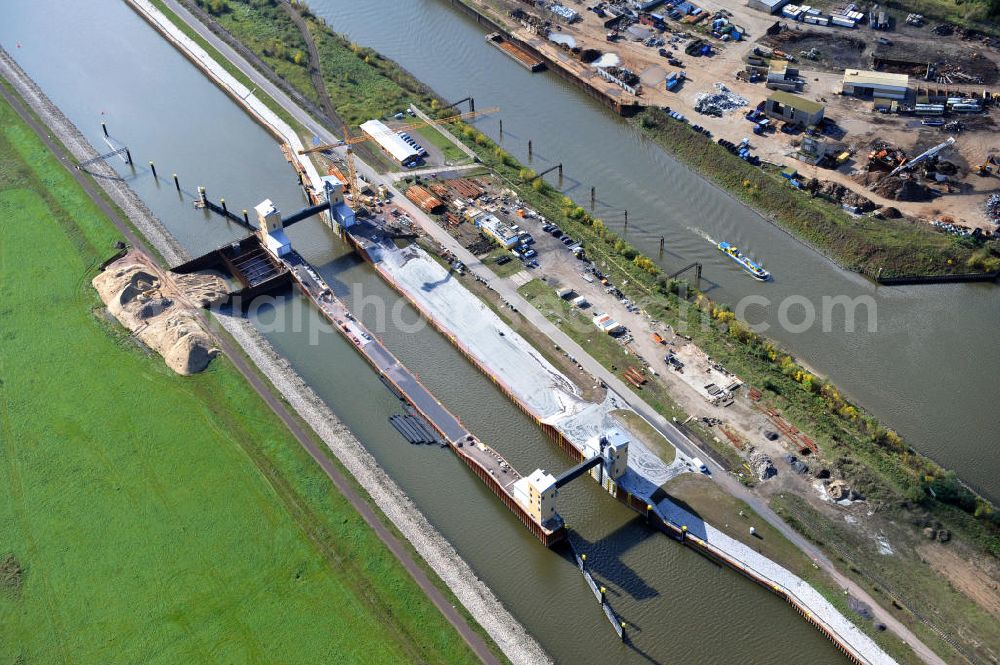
(793, 109)
(876, 84)
(389, 141)
(769, 6)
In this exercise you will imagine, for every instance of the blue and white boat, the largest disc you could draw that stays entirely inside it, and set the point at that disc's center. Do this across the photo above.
(756, 271)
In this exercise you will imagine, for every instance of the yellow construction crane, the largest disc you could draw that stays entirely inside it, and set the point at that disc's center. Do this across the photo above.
(349, 140)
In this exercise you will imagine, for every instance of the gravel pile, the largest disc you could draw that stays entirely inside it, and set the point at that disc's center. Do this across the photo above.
(719, 102)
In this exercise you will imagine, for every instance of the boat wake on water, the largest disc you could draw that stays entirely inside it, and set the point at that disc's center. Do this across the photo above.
(702, 234)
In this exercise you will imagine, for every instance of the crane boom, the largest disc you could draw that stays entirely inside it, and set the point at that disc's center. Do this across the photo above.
(923, 156)
(347, 140)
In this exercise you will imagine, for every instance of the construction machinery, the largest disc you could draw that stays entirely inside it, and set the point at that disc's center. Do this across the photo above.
(349, 140)
(923, 156)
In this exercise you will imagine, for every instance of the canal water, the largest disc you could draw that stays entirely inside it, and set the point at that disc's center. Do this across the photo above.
(98, 61)
(929, 370)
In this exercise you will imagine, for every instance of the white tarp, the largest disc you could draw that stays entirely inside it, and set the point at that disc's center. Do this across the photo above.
(390, 141)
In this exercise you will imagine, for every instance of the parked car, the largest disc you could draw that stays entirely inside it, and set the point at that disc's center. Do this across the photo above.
(529, 253)
(566, 240)
(501, 260)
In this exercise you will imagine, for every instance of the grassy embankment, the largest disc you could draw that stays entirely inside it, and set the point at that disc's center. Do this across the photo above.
(875, 459)
(647, 434)
(362, 84)
(890, 247)
(905, 572)
(228, 66)
(156, 518)
(705, 499)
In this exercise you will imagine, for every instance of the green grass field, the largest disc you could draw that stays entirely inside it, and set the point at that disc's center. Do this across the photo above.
(153, 518)
(451, 152)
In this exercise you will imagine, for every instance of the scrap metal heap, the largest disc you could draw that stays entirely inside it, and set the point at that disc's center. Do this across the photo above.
(719, 102)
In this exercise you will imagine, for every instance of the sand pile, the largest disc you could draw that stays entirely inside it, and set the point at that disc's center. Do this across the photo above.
(137, 297)
(204, 290)
(888, 212)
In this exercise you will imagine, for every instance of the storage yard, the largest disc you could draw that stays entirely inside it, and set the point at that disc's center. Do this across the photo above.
(699, 59)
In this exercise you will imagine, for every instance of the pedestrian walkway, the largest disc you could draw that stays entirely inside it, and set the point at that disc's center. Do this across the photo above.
(432, 170)
(458, 144)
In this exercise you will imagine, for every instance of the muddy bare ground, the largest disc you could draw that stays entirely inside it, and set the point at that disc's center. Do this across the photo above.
(840, 49)
(835, 51)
